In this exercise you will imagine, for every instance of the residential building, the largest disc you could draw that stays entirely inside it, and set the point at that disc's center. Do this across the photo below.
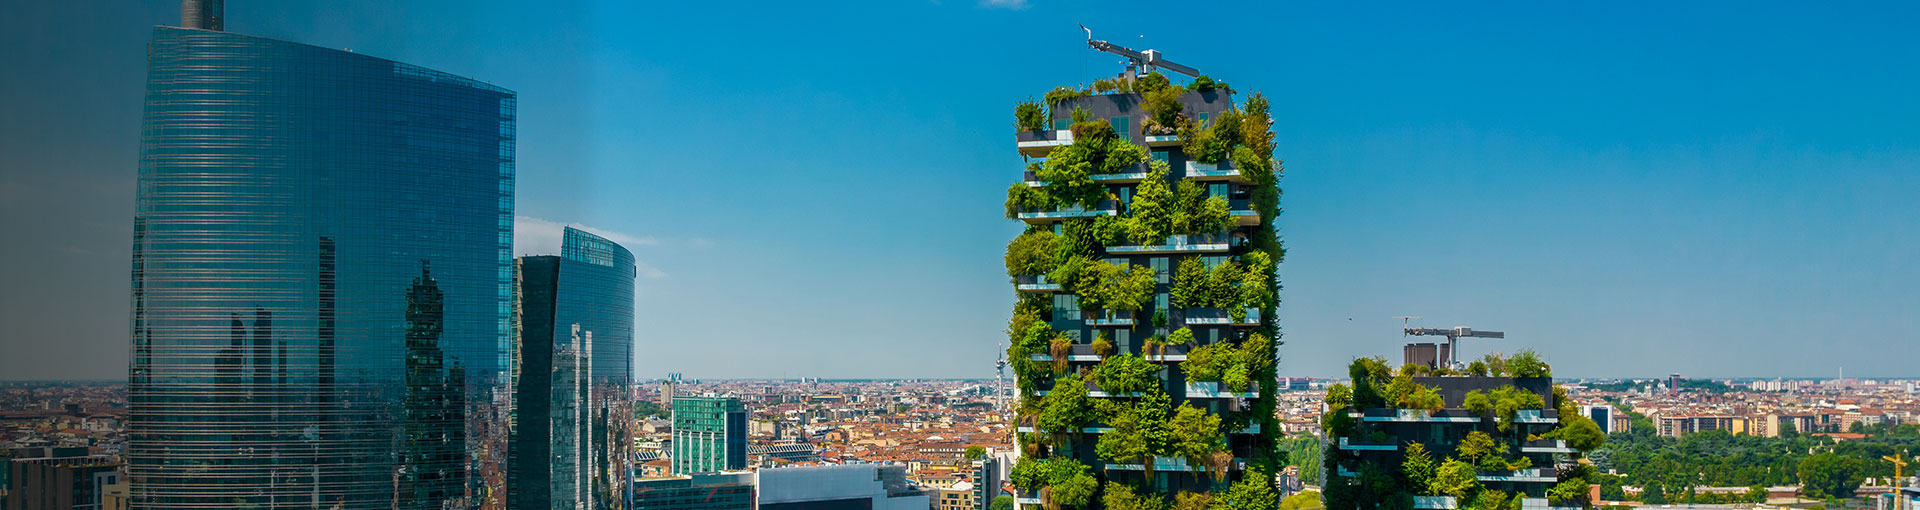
(961, 496)
(572, 444)
(60, 482)
(321, 278)
(839, 487)
(705, 491)
(709, 434)
(987, 479)
(1134, 197)
(1371, 441)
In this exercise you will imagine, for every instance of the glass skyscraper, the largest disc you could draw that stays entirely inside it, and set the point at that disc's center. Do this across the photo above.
(573, 434)
(709, 435)
(321, 279)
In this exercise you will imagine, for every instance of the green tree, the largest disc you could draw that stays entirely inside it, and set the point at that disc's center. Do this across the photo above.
(1140, 431)
(1829, 475)
(1002, 503)
(1580, 432)
(1305, 500)
(1029, 115)
(1254, 492)
(1192, 501)
(1066, 407)
(1454, 478)
(974, 453)
(1418, 469)
(1190, 284)
(1125, 373)
(1528, 364)
(1478, 445)
(1196, 437)
(1150, 214)
(1032, 253)
(1120, 496)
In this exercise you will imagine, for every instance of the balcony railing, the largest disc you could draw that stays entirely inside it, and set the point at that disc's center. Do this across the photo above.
(1162, 140)
(1110, 318)
(1532, 475)
(1350, 446)
(1035, 283)
(1198, 243)
(1242, 211)
(1039, 143)
(1435, 503)
(1419, 416)
(1219, 317)
(1165, 464)
(1545, 446)
(1222, 171)
(1104, 208)
(1134, 174)
(1212, 389)
(1543, 504)
(1536, 416)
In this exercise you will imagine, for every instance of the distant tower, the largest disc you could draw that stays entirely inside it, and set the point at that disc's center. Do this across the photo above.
(1673, 384)
(203, 14)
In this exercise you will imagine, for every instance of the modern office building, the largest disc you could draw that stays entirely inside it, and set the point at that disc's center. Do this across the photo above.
(321, 278)
(572, 445)
(60, 479)
(840, 487)
(707, 491)
(709, 434)
(1146, 268)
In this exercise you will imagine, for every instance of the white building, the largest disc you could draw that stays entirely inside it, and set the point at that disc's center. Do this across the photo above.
(836, 487)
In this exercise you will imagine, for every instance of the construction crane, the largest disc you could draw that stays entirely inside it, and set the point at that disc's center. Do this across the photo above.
(1453, 339)
(1138, 61)
(1899, 463)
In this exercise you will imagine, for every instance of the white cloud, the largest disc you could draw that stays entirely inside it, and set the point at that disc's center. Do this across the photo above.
(1004, 4)
(536, 236)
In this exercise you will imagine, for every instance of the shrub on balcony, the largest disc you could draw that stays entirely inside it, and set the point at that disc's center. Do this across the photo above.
(1120, 496)
(1062, 93)
(1196, 213)
(1505, 402)
(1029, 116)
(1204, 83)
(1061, 481)
(1032, 253)
(1125, 373)
(1253, 492)
(1150, 214)
(1214, 142)
(1139, 432)
(1022, 198)
(1102, 286)
(1189, 284)
(1164, 111)
(1528, 364)
(1102, 345)
(1066, 408)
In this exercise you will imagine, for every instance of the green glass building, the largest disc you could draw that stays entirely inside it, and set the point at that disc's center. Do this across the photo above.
(709, 435)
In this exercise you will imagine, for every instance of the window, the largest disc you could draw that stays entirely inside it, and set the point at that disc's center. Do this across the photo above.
(1123, 339)
(1126, 198)
(1217, 190)
(1161, 156)
(1212, 261)
(1066, 305)
(1159, 265)
(1120, 127)
(1063, 124)
(1203, 119)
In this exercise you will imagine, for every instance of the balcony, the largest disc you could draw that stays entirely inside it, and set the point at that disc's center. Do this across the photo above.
(1111, 318)
(1104, 208)
(1181, 244)
(1087, 430)
(1218, 317)
(1435, 503)
(1222, 171)
(1543, 504)
(1078, 352)
(1166, 464)
(1209, 389)
(1345, 445)
(1037, 144)
(1243, 213)
(1545, 446)
(1166, 354)
(1133, 175)
(1536, 416)
(1533, 475)
(1419, 416)
(1037, 283)
(1163, 140)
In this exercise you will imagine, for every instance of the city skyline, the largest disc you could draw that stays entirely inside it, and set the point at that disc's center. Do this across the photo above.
(1696, 182)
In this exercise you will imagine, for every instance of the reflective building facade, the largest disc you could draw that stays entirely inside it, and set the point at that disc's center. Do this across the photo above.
(321, 279)
(573, 432)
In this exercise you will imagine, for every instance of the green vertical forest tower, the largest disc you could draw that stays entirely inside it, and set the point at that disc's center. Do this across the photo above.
(1143, 337)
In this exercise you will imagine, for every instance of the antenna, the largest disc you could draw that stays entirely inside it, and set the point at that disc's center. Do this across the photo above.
(1405, 318)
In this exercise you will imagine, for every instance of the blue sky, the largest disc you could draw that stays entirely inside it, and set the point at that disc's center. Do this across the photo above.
(1631, 189)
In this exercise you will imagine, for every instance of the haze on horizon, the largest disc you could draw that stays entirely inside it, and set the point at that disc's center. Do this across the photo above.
(814, 190)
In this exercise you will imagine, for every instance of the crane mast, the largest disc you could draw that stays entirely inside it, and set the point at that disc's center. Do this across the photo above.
(1138, 61)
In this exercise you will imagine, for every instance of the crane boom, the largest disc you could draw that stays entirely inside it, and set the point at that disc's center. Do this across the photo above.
(1145, 60)
(1453, 338)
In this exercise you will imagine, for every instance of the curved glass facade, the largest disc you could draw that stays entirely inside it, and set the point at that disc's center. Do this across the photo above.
(573, 442)
(322, 280)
